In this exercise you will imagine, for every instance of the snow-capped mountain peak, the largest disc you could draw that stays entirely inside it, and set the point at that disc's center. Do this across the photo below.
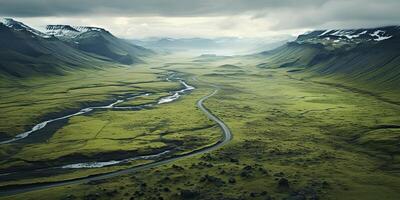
(19, 26)
(89, 28)
(347, 36)
(67, 31)
(62, 31)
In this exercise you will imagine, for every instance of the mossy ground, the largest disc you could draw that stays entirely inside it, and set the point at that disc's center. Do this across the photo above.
(108, 134)
(293, 138)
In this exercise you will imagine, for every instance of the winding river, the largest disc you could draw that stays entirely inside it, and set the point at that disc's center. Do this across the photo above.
(226, 137)
(174, 96)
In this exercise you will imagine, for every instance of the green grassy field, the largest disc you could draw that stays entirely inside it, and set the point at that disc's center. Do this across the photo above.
(101, 135)
(293, 138)
(25, 102)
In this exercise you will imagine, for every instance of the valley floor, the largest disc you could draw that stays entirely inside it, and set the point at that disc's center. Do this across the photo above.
(292, 138)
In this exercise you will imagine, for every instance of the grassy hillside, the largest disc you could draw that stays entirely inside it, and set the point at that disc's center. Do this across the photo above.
(22, 54)
(105, 44)
(372, 66)
(25, 51)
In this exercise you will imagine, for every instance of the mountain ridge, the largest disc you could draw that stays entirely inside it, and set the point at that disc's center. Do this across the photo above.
(26, 51)
(348, 36)
(19, 26)
(370, 60)
(68, 31)
(99, 41)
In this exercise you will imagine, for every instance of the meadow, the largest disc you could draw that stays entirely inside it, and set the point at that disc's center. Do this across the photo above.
(293, 138)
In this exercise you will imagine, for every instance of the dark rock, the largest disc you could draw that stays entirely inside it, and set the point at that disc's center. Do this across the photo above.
(206, 164)
(209, 165)
(262, 170)
(176, 167)
(280, 174)
(189, 194)
(166, 179)
(212, 179)
(267, 197)
(111, 193)
(283, 183)
(245, 174)
(92, 197)
(139, 193)
(297, 197)
(325, 184)
(232, 180)
(247, 168)
(207, 157)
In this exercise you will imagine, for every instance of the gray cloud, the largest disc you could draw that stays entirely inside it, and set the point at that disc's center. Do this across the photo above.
(207, 17)
(340, 14)
(25, 8)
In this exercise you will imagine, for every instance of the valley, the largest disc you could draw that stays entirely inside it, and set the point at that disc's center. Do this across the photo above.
(319, 138)
(88, 115)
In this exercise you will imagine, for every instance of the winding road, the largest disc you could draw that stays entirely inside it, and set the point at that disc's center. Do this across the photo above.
(226, 137)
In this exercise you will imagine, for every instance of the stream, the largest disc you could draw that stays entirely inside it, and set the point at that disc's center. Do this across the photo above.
(226, 137)
(170, 98)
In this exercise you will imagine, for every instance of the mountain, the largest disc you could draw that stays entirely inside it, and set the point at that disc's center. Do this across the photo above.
(362, 57)
(62, 31)
(219, 46)
(99, 41)
(180, 45)
(19, 26)
(25, 51)
(352, 36)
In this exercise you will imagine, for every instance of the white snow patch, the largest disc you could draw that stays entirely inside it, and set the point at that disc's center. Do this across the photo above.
(341, 33)
(356, 35)
(19, 26)
(83, 29)
(62, 31)
(68, 31)
(380, 38)
(324, 33)
(380, 35)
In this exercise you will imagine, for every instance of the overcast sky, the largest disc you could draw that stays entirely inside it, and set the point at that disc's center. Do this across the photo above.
(205, 18)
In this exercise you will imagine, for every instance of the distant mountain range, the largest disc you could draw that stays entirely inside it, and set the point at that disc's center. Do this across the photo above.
(219, 46)
(369, 56)
(25, 51)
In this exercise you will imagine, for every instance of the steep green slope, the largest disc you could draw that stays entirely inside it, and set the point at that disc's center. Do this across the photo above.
(25, 51)
(99, 41)
(370, 62)
(23, 54)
